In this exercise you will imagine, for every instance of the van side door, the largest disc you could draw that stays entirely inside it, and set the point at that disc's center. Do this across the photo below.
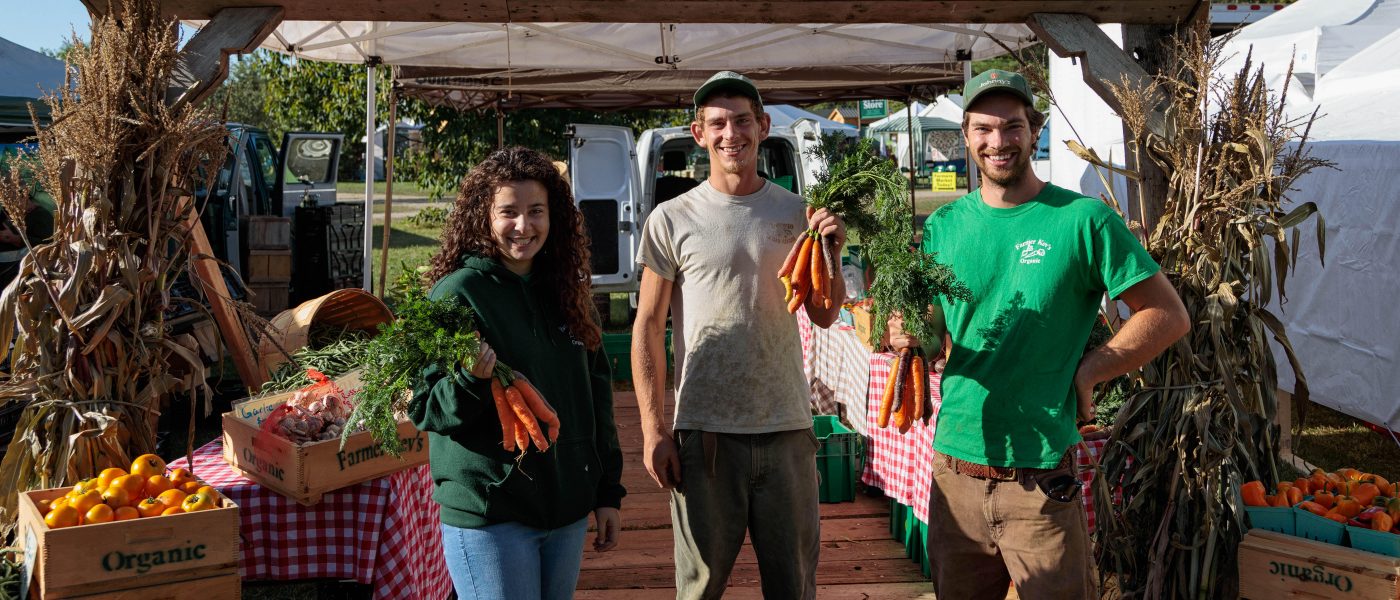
(603, 172)
(307, 170)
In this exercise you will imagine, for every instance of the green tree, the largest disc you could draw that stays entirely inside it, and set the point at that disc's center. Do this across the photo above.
(61, 52)
(241, 97)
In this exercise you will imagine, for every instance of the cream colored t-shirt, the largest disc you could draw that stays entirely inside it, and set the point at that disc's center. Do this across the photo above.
(738, 355)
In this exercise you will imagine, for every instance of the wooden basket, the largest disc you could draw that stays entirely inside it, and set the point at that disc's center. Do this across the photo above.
(353, 309)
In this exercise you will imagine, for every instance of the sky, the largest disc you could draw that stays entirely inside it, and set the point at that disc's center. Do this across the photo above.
(46, 27)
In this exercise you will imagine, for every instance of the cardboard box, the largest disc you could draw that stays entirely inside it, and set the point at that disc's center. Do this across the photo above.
(1274, 565)
(305, 472)
(100, 559)
(864, 322)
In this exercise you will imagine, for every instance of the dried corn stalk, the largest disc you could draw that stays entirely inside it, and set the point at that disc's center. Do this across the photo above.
(91, 355)
(1204, 419)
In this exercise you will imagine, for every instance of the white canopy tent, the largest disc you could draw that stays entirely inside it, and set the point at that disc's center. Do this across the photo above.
(1338, 315)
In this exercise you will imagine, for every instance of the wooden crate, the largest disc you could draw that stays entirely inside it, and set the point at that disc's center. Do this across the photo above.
(268, 266)
(100, 559)
(1274, 565)
(269, 298)
(305, 472)
(269, 233)
(219, 587)
(864, 322)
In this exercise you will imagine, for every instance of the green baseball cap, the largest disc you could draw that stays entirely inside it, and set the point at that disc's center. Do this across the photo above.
(728, 81)
(997, 80)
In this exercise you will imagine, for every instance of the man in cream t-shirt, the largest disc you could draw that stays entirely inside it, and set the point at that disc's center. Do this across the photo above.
(742, 457)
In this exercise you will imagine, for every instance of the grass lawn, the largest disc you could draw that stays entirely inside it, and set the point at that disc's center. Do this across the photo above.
(404, 188)
(1332, 440)
(408, 245)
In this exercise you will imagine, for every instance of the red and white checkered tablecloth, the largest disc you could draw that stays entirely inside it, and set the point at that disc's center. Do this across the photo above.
(383, 532)
(902, 465)
(837, 368)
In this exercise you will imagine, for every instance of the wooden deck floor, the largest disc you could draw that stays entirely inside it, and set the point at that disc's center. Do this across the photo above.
(858, 558)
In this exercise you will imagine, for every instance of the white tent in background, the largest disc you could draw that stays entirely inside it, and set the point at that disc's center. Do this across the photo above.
(1339, 316)
(784, 115)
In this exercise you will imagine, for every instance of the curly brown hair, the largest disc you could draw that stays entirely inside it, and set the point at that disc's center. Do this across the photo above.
(562, 262)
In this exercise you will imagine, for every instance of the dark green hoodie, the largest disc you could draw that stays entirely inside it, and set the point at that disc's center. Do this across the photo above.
(478, 482)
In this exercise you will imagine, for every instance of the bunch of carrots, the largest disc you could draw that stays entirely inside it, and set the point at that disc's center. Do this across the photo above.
(907, 397)
(522, 411)
(808, 270)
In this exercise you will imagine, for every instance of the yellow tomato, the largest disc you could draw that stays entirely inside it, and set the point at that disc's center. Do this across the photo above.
(108, 475)
(150, 507)
(210, 492)
(156, 484)
(147, 465)
(63, 516)
(179, 476)
(99, 514)
(173, 510)
(86, 500)
(57, 502)
(116, 497)
(197, 502)
(87, 485)
(190, 487)
(171, 497)
(126, 513)
(133, 484)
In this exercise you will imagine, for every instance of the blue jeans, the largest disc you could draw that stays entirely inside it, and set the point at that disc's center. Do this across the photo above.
(511, 561)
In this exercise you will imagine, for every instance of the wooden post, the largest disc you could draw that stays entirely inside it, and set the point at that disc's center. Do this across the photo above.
(204, 60)
(1146, 199)
(210, 278)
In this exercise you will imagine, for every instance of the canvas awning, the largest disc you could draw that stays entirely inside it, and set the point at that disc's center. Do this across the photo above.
(898, 123)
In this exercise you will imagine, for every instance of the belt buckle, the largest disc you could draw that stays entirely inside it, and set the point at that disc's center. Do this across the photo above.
(1004, 473)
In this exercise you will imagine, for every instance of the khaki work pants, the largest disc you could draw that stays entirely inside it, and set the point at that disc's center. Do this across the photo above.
(765, 484)
(984, 534)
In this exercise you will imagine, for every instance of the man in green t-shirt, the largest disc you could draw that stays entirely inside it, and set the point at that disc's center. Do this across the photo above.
(1038, 260)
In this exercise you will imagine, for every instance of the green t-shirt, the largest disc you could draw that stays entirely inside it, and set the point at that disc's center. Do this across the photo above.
(1037, 273)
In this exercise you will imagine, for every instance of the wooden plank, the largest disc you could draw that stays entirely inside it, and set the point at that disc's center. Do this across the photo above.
(652, 516)
(1147, 199)
(860, 591)
(210, 278)
(691, 11)
(204, 60)
(856, 529)
(664, 556)
(1103, 62)
(746, 575)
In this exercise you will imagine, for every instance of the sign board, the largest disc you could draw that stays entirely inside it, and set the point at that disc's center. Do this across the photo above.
(872, 109)
(944, 181)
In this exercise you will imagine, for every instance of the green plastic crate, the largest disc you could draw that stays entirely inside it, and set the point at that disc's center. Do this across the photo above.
(618, 347)
(836, 459)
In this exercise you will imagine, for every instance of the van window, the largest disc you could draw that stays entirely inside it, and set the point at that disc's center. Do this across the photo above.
(683, 164)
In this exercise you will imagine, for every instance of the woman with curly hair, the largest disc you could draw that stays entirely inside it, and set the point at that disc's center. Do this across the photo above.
(515, 250)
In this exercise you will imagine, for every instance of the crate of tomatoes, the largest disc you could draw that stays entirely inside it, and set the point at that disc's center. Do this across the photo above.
(140, 532)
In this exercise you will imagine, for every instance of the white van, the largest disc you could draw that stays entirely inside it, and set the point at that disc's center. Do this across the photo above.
(617, 183)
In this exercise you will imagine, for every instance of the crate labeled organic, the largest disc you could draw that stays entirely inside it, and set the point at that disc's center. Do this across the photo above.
(219, 587)
(305, 472)
(1273, 565)
(100, 559)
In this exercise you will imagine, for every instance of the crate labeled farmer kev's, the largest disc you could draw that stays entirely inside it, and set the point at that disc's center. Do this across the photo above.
(137, 557)
(305, 470)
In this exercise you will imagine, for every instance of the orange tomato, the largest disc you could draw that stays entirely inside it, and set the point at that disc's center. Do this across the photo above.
(150, 507)
(63, 516)
(99, 514)
(197, 502)
(1253, 494)
(190, 487)
(171, 497)
(126, 513)
(172, 510)
(107, 475)
(1326, 499)
(133, 484)
(57, 502)
(147, 465)
(1313, 508)
(116, 497)
(86, 500)
(1295, 496)
(156, 484)
(1382, 522)
(87, 485)
(45, 505)
(179, 476)
(210, 492)
(1365, 493)
(1347, 506)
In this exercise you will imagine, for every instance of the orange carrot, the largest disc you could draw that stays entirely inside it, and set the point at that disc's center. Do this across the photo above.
(799, 295)
(817, 269)
(920, 382)
(504, 413)
(800, 276)
(887, 399)
(906, 408)
(522, 438)
(522, 412)
(536, 403)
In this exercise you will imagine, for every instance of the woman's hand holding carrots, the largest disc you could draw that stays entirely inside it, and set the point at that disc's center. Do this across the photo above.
(485, 362)
(524, 414)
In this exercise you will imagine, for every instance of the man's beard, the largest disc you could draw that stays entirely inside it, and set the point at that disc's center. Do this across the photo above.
(1013, 175)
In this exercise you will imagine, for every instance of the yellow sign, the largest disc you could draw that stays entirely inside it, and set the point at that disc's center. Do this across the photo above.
(945, 181)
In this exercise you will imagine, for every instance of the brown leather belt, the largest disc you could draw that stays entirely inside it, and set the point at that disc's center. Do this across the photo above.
(972, 469)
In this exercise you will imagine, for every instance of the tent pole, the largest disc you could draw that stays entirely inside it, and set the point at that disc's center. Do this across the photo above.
(391, 138)
(367, 282)
(972, 176)
(909, 129)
